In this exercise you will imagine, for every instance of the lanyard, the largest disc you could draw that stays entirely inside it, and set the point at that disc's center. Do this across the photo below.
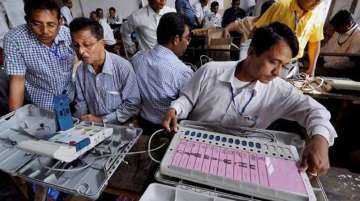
(246, 104)
(56, 53)
(296, 21)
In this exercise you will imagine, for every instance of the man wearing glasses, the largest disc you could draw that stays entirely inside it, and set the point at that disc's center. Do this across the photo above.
(159, 71)
(39, 57)
(106, 86)
(249, 93)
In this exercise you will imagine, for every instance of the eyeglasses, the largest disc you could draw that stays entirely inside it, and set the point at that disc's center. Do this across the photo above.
(87, 46)
(188, 38)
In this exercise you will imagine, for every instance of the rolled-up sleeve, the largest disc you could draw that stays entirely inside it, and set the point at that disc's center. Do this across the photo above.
(308, 113)
(14, 61)
(130, 105)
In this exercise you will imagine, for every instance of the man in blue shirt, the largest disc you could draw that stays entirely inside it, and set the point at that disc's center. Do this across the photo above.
(184, 8)
(39, 57)
(159, 71)
(106, 87)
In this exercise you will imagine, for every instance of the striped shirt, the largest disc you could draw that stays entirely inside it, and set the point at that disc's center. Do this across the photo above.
(47, 70)
(112, 94)
(161, 75)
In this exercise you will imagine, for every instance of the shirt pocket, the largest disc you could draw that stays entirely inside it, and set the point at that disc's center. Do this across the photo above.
(113, 99)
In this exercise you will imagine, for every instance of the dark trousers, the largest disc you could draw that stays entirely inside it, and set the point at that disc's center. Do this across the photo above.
(148, 127)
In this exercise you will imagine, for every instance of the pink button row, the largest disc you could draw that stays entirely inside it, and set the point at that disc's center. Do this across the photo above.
(209, 159)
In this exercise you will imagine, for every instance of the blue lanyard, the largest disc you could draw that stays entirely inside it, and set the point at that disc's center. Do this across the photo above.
(246, 104)
(56, 52)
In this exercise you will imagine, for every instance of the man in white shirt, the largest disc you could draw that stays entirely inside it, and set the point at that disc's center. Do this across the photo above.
(213, 19)
(100, 14)
(108, 32)
(345, 40)
(66, 12)
(144, 23)
(201, 11)
(248, 6)
(249, 93)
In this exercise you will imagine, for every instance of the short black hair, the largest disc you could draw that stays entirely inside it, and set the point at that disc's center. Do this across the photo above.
(31, 5)
(214, 4)
(265, 37)
(92, 13)
(342, 18)
(83, 23)
(266, 5)
(170, 25)
(99, 9)
(112, 8)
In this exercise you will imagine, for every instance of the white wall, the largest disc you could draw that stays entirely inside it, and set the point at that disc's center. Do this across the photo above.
(123, 7)
(15, 11)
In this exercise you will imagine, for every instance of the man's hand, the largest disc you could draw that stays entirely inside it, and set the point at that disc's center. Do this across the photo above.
(310, 72)
(315, 159)
(91, 118)
(226, 33)
(170, 120)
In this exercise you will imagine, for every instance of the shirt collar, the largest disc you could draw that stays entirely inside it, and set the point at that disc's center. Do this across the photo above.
(350, 31)
(108, 67)
(151, 11)
(164, 50)
(228, 76)
(294, 7)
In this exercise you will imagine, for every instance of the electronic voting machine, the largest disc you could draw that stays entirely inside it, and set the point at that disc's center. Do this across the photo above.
(255, 168)
(78, 161)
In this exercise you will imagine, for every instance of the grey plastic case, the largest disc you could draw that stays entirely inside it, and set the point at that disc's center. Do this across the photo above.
(86, 176)
(283, 137)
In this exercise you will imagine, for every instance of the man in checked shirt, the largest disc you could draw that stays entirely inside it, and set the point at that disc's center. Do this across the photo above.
(38, 57)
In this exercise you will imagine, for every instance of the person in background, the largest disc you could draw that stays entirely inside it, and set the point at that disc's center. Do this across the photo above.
(159, 71)
(344, 40)
(248, 6)
(109, 38)
(249, 93)
(214, 18)
(39, 57)
(106, 87)
(201, 11)
(233, 13)
(245, 27)
(144, 23)
(113, 19)
(306, 20)
(66, 13)
(100, 14)
(184, 8)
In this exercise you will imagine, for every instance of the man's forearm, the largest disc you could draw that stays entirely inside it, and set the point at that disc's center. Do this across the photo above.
(231, 27)
(16, 92)
(313, 53)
